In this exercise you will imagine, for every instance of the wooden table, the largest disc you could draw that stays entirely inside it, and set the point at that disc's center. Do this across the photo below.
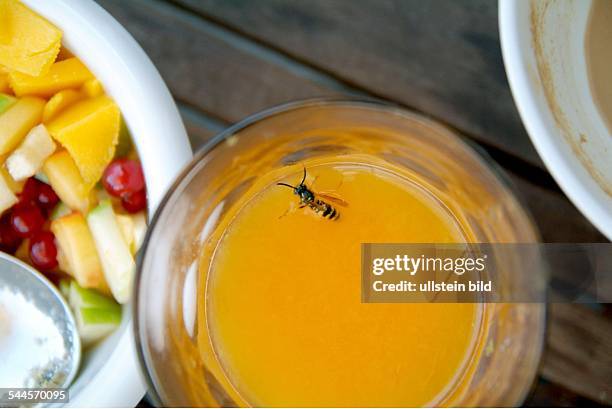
(224, 60)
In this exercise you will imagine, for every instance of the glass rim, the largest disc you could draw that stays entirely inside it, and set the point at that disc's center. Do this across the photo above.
(346, 101)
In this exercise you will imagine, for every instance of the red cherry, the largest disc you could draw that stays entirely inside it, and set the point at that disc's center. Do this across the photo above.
(29, 192)
(26, 220)
(38, 193)
(46, 197)
(43, 252)
(9, 240)
(134, 202)
(123, 176)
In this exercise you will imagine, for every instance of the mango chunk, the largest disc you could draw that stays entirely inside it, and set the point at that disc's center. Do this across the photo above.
(28, 43)
(70, 73)
(93, 88)
(66, 180)
(89, 130)
(59, 102)
(64, 54)
(4, 84)
(17, 121)
(79, 255)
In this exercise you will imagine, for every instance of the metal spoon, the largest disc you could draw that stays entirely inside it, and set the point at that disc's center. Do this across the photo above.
(39, 342)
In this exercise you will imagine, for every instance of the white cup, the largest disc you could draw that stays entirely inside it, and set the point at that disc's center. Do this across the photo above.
(543, 44)
(110, 374)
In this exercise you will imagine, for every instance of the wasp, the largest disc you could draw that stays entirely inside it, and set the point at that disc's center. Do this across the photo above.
(317, 202)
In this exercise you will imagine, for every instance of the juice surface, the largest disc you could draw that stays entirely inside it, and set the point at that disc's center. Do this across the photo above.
(283, 296)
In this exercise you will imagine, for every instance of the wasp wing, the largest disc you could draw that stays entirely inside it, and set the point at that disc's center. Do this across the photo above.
(332, 198)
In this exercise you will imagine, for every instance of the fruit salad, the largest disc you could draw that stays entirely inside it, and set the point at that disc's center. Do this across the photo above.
(72, 191)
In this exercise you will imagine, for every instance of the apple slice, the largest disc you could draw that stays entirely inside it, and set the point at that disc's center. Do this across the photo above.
(29, 157)
(7, 197)
(67, 182)
(126, 225)
(117, 261)
(15, 186)
(96, 315)
(140, 230)
(79, 255)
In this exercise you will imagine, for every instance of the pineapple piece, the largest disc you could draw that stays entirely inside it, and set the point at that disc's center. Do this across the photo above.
(67, 182)
(79, 255)
(70, 73)
(59, 102)
(89, 130)
(28, 42)
(17, 121)
(29, 157)
(7, 196)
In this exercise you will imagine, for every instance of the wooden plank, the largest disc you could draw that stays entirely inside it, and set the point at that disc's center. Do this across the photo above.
(557, 218)
(578, 352)
(439, 57)
(205, 69)
(546, 394)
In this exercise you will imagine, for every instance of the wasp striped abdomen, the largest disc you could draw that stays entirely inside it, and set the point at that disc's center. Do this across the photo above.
(324, 209)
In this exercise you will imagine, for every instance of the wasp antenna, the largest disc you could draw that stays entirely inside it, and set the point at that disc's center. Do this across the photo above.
(304, 178)
(285, 184)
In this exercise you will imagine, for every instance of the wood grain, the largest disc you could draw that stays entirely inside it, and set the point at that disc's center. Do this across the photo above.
(207, 69)
(578, 352)
(440, 57)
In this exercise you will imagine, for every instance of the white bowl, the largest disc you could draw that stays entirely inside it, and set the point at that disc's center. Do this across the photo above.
(110, 373)
(544, 54)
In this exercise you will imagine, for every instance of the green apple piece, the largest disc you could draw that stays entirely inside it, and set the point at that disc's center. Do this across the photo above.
(64, 287)
(29, 157)
(117, 261)
(6, 101)
(94, 324)
(60, 210)
(96, 315)
(80, 297)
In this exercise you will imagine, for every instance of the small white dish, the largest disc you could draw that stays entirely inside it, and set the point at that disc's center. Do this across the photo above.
(110, 375)
(544, 54)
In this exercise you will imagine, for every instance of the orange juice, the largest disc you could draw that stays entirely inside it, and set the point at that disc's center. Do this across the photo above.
(283, 297)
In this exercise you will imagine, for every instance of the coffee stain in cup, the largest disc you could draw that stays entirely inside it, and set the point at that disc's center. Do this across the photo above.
(598, 50)
(537, 22)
